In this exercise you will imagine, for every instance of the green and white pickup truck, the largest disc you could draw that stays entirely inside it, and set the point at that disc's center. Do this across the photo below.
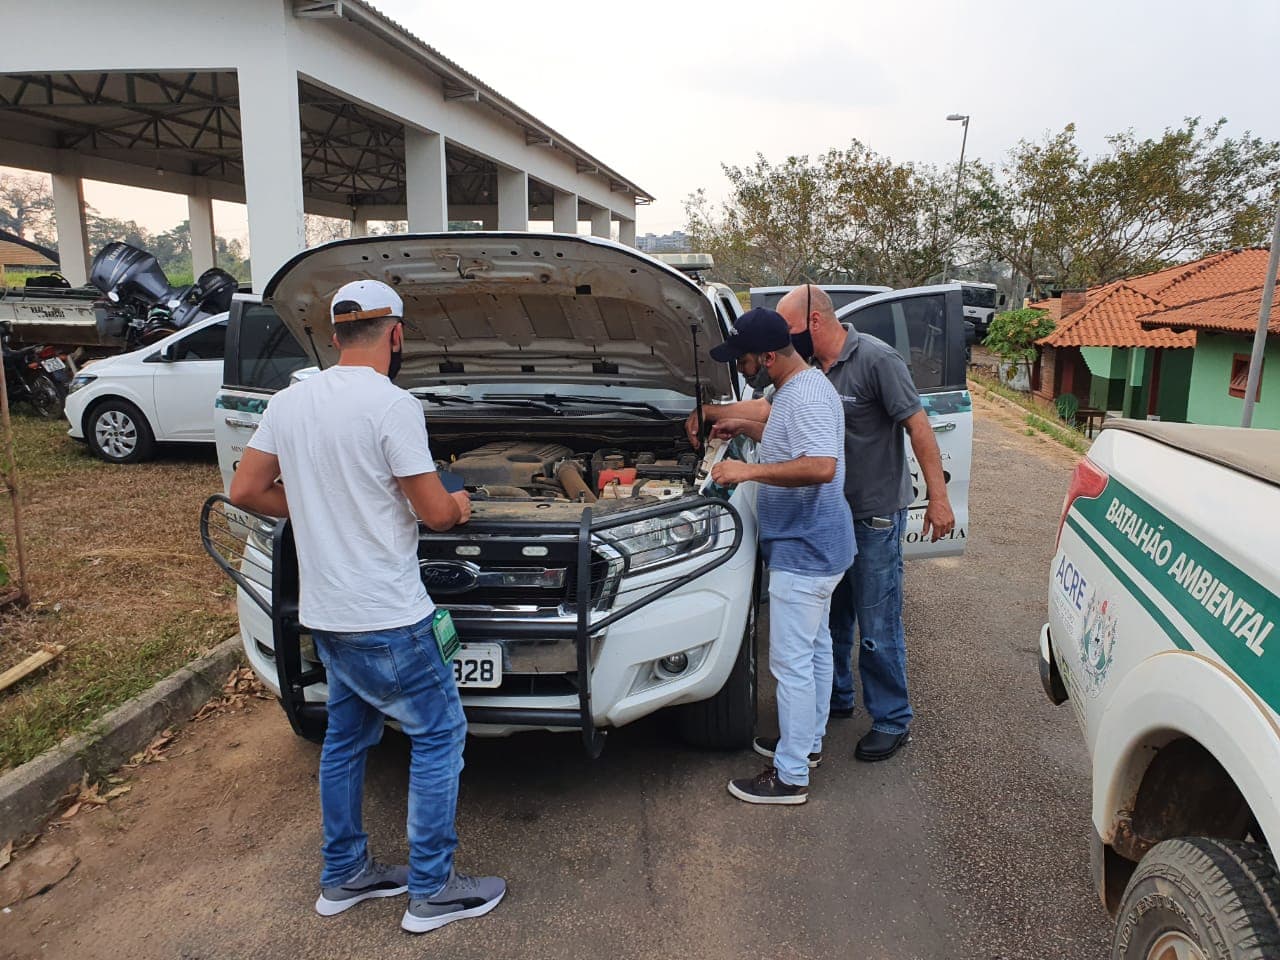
(1161, 636)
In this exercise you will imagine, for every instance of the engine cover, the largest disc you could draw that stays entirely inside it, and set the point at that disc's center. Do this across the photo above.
(509, 462)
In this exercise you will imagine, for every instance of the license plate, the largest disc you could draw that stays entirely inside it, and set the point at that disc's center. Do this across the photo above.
(53, 364)
(478, 665)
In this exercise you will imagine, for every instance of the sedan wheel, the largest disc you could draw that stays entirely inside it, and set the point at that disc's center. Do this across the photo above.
(119, 433)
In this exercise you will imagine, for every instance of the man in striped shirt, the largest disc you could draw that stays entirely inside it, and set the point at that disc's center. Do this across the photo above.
(806, 536)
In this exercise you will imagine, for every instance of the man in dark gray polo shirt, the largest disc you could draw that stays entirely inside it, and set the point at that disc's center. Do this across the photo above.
(881, 410)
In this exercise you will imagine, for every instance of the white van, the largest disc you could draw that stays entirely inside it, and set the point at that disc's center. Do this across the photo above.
(1164, 594)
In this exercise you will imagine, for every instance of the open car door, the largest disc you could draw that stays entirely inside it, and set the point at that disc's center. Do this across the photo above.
(926, 326)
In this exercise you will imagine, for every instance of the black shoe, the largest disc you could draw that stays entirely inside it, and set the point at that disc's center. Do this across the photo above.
(767, 787)
(841, 713)
(878, 745)
(768, 746)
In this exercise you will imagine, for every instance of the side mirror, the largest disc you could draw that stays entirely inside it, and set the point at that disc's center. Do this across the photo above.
(1003, 300)
(169, 354)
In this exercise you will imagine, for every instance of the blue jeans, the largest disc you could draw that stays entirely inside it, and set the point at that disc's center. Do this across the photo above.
(800, 660)
(870, 598)
(396, 673)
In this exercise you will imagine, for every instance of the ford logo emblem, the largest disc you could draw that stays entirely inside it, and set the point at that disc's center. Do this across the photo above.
(449, 576)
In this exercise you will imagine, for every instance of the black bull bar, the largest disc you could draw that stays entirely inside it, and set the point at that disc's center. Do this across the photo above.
(608, 549)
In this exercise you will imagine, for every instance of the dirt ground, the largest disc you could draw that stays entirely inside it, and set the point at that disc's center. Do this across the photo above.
(970, 844)
(116, 574)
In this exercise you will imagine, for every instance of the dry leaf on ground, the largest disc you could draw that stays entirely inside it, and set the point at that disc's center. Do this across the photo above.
(153, 752)
(241, 686)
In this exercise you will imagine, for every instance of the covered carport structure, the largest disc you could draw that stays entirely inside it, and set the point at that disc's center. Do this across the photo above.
(290, 107)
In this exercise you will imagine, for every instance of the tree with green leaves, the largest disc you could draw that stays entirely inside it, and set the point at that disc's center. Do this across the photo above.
(1142, 205)
(851, 215)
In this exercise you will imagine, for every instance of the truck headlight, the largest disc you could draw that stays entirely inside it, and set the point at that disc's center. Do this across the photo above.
(651, 543)
(80, 380)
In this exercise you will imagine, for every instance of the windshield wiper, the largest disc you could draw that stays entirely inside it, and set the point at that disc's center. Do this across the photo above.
(650, 408)
(636, 405)
(492, 400)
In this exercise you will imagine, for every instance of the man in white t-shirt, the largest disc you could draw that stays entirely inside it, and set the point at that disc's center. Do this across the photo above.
(351, 451)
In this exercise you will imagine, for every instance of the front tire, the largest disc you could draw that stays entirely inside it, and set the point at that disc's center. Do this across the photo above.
(727, 721)
(1201, 899)
(118, 432)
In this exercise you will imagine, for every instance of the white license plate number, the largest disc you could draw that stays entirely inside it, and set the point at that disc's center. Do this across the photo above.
(53, 364)
(478, 665)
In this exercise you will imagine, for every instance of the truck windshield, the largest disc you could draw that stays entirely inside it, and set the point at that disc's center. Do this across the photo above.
(979, 297)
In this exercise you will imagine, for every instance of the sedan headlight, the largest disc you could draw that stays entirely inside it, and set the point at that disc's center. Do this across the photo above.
(651, 543)
(81, 380)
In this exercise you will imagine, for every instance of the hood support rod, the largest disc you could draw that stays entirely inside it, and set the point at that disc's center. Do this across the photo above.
(697, 384)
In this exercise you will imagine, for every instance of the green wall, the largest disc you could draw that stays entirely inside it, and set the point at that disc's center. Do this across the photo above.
(1208, 400)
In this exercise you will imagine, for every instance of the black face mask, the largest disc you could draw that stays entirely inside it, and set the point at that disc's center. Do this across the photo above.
(803, 342)
(760, 380)
(394, 367)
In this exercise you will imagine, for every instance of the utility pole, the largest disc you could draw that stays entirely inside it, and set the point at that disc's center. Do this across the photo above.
(1264, 318)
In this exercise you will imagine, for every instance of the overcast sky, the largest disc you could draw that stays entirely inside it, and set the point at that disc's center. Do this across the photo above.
(664, 92)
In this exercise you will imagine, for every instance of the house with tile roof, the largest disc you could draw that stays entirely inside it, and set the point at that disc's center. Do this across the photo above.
(16, 251)
(1173, 344)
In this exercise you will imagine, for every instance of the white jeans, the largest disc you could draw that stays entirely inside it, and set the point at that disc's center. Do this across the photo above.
(800, 660)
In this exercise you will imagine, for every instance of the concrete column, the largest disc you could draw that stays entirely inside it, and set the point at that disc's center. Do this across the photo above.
(601, 222)
(425, 186)
(200, 222)
(359, 224)
(73, 234)
(627, 232)
(565, 212)
(513, 200)
(272, 148)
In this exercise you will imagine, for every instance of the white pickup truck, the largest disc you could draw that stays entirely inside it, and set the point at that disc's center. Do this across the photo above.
(598, 580)
(1161, 635)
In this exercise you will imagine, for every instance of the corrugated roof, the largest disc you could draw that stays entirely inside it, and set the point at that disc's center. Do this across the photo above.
(16, 251)
(364, 13)
(1135, 311)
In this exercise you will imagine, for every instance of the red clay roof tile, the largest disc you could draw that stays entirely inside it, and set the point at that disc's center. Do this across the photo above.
(1138, 311)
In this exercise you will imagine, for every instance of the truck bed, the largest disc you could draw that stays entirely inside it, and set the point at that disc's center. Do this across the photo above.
(1254, 452)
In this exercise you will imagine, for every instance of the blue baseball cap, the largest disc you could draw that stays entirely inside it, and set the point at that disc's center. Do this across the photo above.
(757, 331)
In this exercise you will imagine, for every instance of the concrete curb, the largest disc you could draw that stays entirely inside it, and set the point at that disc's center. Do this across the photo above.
(28, 793)
(1022, 413)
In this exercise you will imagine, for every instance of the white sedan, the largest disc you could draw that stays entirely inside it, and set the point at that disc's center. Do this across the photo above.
(122, 406)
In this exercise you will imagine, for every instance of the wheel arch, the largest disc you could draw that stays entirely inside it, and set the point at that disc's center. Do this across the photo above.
(86, 418)
(1183, 749)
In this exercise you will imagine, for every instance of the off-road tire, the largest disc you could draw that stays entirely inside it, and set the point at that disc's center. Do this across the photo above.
(727, 721)
(119, 411)
(1220, 897)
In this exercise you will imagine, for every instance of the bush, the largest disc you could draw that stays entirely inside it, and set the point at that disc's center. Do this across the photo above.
(1013, 334)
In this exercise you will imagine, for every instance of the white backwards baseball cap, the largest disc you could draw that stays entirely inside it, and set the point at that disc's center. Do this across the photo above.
(365, 300)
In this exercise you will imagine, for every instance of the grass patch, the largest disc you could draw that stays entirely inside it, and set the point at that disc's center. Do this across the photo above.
(115, 572)
(1041, 417)
(1064, 435)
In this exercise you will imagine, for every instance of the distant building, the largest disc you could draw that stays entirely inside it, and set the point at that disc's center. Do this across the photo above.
(1169, 345)
(675, 242)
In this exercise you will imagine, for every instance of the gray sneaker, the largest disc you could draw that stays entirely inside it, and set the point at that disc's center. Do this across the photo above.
(375, 880)
(459, 898)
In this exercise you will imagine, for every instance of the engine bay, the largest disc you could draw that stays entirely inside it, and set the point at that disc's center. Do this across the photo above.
(548, 470)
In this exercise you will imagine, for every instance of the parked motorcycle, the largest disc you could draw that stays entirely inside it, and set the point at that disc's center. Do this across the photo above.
(140, 306)
(38, 376)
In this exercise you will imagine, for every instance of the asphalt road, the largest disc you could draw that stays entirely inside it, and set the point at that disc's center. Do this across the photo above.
(972, 843)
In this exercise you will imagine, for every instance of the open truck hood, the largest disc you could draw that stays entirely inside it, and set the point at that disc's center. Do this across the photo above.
(516, 308)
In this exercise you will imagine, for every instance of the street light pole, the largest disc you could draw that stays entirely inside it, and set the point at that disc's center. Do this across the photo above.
(955, 202)
(1264, 323)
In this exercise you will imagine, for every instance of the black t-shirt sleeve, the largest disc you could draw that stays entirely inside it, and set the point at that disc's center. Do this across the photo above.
(898, 394)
